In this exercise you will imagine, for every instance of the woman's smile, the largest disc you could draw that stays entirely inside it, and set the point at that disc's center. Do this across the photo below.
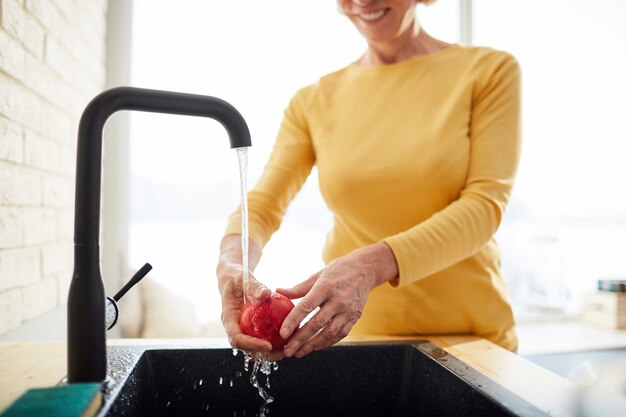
(373, 17)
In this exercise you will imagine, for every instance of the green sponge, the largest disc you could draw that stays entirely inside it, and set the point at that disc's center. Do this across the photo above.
(74, 400)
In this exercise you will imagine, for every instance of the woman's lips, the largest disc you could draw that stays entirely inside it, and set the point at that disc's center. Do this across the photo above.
(373, 16)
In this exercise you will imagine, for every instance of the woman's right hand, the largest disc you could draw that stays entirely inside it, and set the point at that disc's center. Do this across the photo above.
(230, 282)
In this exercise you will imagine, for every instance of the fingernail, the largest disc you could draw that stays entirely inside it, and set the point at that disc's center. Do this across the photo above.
(289, 350)
(285, 332)
(300, 353)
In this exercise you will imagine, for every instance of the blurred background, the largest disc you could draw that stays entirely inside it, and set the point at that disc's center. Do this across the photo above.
(566, 223)
(171, 182)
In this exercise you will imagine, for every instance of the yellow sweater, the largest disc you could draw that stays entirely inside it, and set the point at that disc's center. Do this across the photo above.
(421, 154)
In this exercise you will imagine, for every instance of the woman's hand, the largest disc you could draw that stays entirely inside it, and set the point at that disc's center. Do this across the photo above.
(340, 291)
(230, 282)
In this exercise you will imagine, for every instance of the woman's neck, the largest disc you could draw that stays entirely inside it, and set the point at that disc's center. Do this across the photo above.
(415, 42)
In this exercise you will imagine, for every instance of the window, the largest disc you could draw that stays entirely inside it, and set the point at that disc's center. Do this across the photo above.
(184, 178)
(566, 223)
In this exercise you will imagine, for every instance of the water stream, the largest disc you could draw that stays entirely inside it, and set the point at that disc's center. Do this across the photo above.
(260, 361)
(242, 156)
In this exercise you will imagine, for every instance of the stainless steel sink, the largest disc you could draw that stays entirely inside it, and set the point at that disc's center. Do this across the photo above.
(391, 379)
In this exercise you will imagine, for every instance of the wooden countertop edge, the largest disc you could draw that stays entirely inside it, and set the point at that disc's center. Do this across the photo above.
(32, 364)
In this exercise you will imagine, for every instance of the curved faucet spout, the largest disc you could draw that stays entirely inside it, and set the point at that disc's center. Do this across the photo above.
(86, 324)
(89, 153)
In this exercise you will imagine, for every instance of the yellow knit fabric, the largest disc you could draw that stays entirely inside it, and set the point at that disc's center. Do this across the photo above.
(421, 154)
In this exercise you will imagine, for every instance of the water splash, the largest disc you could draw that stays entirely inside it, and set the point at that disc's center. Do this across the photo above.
(242, 157)
(261, 364)
(119, 364)
(111, 313)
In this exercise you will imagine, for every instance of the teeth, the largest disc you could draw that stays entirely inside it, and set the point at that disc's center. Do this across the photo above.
(373, 16)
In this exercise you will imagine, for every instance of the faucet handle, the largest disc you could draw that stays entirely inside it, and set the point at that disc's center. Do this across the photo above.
(135, 279)
(112, 311)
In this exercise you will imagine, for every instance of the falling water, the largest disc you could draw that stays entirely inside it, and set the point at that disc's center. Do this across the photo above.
(242, 156)
(261, 363)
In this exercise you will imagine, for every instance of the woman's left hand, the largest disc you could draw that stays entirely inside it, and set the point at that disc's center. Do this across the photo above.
(340, 291)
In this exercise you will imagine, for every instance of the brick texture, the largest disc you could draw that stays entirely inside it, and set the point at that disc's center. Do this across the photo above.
(10, 310)
(52, 63)
(39, 298)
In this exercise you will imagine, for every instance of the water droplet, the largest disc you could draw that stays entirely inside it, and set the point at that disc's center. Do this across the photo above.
(168, 404)
(221, 380)
(200, 382)
(235, 352)
(231, 382)
(247, 358)
(261, 364)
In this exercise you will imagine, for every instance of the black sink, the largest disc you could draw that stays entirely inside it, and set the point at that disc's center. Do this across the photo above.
(416, 379)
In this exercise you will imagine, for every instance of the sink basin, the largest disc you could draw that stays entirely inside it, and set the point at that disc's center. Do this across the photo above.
(391, 379)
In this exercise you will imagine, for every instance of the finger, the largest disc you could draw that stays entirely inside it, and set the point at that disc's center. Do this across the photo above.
(276, 356)
(310, 302)
(257, 290)
(299, 290)
(310, 329)
(248, 343)
(336, 330)
(325, 337)
(231, 282)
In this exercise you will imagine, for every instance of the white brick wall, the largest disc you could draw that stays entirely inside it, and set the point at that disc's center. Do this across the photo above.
(52, 62)
(10, 309)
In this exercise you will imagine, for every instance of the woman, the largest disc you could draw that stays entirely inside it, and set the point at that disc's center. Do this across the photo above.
(417, 145)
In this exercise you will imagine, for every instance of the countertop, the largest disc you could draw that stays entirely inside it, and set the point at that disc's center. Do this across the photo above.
(31, 364)
(540, 337)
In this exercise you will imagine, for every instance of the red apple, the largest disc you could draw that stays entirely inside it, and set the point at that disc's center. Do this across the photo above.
(263, 319)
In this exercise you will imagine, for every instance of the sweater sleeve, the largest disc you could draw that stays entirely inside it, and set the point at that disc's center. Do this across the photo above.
(467, 224)
(290, 163)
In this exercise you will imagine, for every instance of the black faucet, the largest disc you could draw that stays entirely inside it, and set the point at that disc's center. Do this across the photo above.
(86, 340)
